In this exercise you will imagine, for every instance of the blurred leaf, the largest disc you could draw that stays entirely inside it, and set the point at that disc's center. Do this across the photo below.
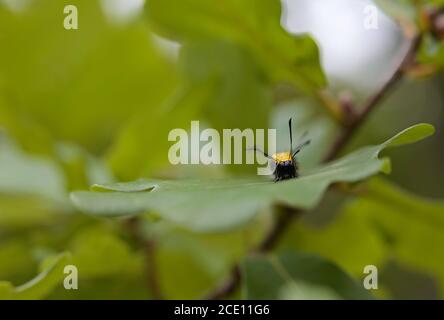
(431, 51)
(99, 252)
(250, 23)
(403, 10)
(41, 285)
(21, 173)
(80, 167)
(402, 282)
(270, 277)
(242, 97)
(17, 264)
(209, 205)
(342, 241)
(96, 76)
(242, 90)
(26, 202)
(143, 144)
(413, 227)
(224, 95)
(204, 258)
(385, 220)
(191, 280)
(24, 211)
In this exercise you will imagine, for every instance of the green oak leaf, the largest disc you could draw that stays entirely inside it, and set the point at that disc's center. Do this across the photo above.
(41, 285)
(100, 74)
(341, 241)
(149, 130)
(411, 226)
(214, 205)
(297, 276)
(241, 87)
(218, 95)
(250, 23)
(392, 224)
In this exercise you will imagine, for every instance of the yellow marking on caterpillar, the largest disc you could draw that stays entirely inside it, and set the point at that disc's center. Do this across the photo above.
(282, 157)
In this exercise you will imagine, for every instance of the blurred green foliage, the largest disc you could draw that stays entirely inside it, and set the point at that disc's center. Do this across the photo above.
(390, 223)
(284, 275)
(95, 105)
(40, 286)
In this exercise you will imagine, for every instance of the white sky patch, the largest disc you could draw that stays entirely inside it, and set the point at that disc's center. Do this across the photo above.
(351, 55)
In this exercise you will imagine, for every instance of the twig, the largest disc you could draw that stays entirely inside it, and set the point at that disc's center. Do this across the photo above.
(148, 245)
(288, 214)
(227, 287)
(348, 131)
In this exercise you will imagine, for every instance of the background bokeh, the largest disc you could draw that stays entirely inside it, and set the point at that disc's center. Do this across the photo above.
(95, 105)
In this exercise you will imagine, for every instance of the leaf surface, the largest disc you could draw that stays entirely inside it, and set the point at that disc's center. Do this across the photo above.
(210, 205)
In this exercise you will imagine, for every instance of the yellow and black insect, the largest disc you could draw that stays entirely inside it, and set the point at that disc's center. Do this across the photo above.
(286, 166)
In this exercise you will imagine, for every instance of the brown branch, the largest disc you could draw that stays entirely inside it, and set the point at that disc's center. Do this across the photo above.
(287, 215)
(228, 286)
(149, 247)
(348, 131)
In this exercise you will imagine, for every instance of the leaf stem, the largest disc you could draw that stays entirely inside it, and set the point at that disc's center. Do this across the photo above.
(368, 106)
(348, 130)
(149, 247)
